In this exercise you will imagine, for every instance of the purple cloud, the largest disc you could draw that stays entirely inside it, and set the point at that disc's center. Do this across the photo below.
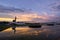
(55, 6)
(5, 9)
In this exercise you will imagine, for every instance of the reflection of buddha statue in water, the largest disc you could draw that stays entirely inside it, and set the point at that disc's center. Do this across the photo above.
(13, 25)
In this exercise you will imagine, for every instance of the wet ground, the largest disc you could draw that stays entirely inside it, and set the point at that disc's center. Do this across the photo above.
(26, 33)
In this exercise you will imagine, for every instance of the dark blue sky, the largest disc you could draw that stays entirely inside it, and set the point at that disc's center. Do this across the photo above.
(46, 8)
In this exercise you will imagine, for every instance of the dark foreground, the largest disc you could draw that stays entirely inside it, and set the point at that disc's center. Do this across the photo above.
(34, 37)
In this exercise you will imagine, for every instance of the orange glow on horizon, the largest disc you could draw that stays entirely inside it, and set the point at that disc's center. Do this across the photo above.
(10, 19)
(6, 19)
(25, 17)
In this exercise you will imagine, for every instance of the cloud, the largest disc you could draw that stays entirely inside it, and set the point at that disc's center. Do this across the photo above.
(23, 15)
(31, 16)
(55, 6)
(35, 17)
(5, 15)
(5, 9)
(55, 11)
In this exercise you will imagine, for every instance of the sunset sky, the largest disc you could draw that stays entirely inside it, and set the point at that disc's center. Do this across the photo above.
(30, 10)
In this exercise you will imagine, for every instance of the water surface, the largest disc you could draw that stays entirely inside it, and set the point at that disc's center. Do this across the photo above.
(46, 32)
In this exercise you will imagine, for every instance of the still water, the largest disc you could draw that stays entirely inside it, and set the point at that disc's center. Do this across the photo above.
(45, 32)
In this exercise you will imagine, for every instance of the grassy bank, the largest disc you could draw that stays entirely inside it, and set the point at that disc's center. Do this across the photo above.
(3, 27)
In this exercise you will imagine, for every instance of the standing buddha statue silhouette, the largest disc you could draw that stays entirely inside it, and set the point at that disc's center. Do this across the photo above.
(14, 25)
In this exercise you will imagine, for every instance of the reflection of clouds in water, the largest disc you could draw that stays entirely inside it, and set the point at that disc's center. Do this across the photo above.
(52, 31)
(37, 31)
(25, 31)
